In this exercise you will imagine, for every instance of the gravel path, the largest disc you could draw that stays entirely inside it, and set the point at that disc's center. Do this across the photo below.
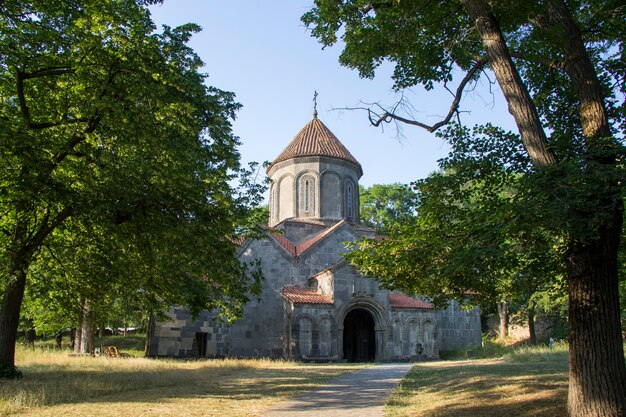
(360, 394)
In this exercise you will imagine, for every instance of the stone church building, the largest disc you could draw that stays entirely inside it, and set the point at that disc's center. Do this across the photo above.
(314, 305)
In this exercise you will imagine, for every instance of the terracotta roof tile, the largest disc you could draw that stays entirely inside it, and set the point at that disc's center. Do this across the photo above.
(285, 243)
(299, 249)
(402, 301)
(315, 139)
(300, 295)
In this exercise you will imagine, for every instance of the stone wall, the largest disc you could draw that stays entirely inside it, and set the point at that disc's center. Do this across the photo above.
(178, 336)
(329, 178)
(459, 327)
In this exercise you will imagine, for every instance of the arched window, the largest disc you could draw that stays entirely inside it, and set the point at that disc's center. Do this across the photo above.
(350, 209)
(307, 196)
(305, 336)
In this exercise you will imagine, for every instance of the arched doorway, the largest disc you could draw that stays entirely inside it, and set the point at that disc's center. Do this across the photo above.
(359, 339)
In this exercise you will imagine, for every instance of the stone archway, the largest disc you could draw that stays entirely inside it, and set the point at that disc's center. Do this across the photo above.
(378, 315)
(359, 338)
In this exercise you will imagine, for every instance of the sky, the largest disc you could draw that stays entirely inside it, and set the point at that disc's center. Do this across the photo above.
(263, 53)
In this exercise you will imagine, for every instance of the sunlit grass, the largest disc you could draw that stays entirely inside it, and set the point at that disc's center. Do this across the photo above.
(524, 382)
(56, 383)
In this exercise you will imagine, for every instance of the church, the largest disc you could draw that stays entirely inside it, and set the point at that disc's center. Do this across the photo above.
(314, 305)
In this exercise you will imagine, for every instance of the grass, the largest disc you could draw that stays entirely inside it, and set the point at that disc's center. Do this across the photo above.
(525, 382)
(56, 383)
(131, 344)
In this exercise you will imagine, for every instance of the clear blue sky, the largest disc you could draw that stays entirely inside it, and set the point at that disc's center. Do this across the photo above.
(263, 53)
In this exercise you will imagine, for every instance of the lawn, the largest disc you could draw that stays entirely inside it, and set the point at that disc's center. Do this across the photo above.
(522, 382)
(56, 383)
(526, 382)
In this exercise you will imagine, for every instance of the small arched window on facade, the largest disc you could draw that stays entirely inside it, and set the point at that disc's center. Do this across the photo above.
(350, 206)
(307, 196)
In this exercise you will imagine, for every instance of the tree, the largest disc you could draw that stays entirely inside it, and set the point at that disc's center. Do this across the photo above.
(548, 58)
(467, 236)
(116, 164)
(385, 204)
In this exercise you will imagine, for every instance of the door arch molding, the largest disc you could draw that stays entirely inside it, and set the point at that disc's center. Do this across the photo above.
(381, 327)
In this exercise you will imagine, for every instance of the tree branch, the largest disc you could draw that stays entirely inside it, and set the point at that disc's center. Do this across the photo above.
(22, 99)
(550, 64)
(50, 71)
(48, 227)
(44, 72)
(388, 116)
(92, 122)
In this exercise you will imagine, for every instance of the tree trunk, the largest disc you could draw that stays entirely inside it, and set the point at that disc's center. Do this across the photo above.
(10, 313)
(597, 386)
(87, 331)
(73, 333)
(19, 256)
(29, 334)
(77, 335)
(59, 339)
(521, 105)
(597, 370)
(532, 335)
(503, 314)
(149, 336)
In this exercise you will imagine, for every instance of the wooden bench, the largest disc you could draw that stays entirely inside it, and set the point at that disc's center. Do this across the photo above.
(112, 352)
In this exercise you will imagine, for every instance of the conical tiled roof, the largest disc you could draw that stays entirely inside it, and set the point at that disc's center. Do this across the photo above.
(315, 139)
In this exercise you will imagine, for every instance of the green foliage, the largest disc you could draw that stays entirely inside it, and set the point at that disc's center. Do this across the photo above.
(134, 343)
(488, 349)
(490, 222)
(429, 45)
(383, 205)
(467, 236)
(116, 164)
(539, 353)
(491, 348)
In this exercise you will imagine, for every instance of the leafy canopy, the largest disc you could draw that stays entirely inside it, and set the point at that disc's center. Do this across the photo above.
(117, 161)
(469, 235)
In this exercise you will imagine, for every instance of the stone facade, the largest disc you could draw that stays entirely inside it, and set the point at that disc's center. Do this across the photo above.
(315, 306)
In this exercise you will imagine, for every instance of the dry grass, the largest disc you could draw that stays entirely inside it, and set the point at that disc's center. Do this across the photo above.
(531, 383)
(56, 384)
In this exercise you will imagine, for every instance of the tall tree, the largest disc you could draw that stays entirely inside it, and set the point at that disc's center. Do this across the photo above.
(548, 58)
(472, 233)
(112, 146)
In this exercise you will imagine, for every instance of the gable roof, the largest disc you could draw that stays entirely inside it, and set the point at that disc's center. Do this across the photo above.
(403, 301)
(301, 295)
(300, 248)
(315, 139)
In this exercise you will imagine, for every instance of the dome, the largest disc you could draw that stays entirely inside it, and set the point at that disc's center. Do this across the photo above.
(315, 139)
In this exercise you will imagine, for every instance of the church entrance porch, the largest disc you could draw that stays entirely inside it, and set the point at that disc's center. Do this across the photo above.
(359, 339)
